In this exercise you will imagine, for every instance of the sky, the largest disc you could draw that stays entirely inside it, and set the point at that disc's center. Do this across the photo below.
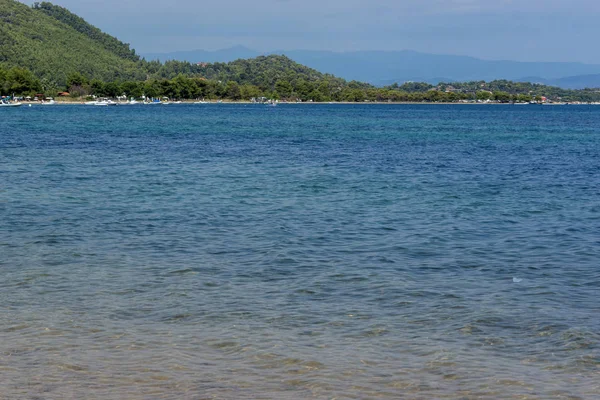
(522, 30)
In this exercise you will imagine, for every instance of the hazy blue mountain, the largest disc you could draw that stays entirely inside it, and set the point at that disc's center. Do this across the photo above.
(569, 82)
(195, 56)
(387, 67)
(379, 67)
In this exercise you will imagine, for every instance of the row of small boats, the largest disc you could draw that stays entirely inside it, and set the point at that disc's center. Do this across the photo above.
(6, 103)
(131, 102)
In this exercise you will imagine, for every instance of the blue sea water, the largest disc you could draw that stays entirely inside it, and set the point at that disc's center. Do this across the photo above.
(300, 251)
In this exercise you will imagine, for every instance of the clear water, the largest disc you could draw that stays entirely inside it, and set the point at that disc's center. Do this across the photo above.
(300, 251)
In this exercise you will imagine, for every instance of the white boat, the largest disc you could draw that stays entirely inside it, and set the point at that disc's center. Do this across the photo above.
(48, 102)
(7, 103)
(101, 103)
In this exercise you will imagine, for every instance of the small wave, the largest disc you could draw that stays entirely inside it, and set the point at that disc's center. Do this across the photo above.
(184, 271)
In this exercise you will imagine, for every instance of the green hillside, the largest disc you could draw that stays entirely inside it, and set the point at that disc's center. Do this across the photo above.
(110, 43)
(264, 71)
(64, 52)
(45, 41)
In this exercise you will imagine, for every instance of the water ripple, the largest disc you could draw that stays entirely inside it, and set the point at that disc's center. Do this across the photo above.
(355, 252)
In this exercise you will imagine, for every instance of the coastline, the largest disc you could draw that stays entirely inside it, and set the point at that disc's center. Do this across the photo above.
(189, 102)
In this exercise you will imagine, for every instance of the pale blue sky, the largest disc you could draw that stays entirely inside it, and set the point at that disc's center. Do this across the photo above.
(524, 30)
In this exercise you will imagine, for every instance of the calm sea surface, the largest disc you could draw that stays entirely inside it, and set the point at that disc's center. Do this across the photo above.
(300, 251)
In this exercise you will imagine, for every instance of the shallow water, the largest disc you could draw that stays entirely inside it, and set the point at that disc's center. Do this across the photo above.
(300, 251)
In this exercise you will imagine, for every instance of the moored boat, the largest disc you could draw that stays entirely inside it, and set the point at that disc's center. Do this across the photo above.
(10, 104)
(6, 102)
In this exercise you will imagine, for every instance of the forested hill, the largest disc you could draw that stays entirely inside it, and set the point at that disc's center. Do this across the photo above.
(264, 72)
(60, 48)
(110, 43)
(53, 43)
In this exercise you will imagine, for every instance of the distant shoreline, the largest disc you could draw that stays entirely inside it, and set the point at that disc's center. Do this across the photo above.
(79, 102)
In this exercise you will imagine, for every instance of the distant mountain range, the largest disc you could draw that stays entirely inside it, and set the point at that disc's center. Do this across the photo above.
(195, 56)
(568, 82)
(386, 67)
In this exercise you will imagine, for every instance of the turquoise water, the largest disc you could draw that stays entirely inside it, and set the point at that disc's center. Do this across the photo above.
(300, 251)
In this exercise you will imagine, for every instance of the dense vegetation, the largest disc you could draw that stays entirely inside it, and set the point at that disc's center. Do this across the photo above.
(110, 43)
(279, 82)
(19, 81)
(47, 49)
(51, 49)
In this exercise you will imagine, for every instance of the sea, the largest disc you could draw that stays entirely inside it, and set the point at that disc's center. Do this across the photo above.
(304, 251)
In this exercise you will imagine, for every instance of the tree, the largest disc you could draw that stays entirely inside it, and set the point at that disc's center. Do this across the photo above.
(199, 89)
(76, 79)
(283, 88)
(484, 95)
(20, 81)
(248, 92)
(303, 89)
(452, 97)
(325, 89)
(78, 91)
(132, 89)
(152, 89)
(4, 84)
(97, 88)
(317, 96)
(49, 87)
(112, 89)
(501, 96)
(233, 90)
